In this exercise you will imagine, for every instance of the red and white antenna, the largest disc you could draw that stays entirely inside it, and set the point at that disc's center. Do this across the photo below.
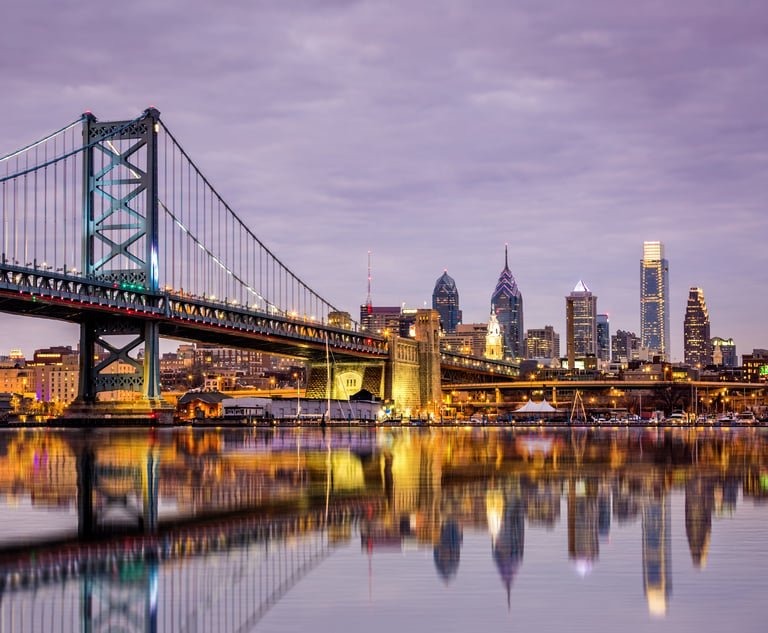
(368, 301)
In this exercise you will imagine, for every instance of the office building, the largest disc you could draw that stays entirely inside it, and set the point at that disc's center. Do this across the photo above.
(603, 338)
(754, 366)
(724, 352)
(445, 299)
(468, 339)
(507, 303)
(625, 346)
(654, 299)
(581, 324)
(381, 320)
(696, 343)
(542, 343)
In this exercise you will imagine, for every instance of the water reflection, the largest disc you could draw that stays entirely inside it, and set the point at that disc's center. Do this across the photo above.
(211, 530)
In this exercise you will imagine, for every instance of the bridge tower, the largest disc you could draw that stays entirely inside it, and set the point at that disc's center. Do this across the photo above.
(120, 246)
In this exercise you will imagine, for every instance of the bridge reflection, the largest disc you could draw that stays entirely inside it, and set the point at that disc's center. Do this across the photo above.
(198, 531)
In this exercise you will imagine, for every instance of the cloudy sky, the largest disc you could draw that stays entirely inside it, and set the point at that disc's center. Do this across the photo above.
(432, 132)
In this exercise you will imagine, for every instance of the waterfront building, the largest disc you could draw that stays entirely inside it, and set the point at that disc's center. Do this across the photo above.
(724, 352)
(754, 366)
(16, 380)
(581, 324)
(625, 346)
(603, 338)
(696, 343)
(445, 299)
(654, 299)
(494, 339)
(507, 301)
(57, 383)
(542, 343)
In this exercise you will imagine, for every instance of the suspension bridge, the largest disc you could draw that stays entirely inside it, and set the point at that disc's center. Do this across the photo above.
(113, 226)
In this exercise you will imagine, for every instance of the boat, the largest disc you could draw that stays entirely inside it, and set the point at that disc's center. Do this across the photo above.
(746, 417)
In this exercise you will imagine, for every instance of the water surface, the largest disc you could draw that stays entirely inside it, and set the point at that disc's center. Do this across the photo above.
(382, 529)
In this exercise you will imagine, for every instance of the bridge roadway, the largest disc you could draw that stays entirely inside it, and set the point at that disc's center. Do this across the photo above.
(53, 295)
(615, 384)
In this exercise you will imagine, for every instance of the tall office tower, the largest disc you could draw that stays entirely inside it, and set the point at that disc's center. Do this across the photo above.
(581, 323)
(698, 352)
(542, 343)
(508, 303)
(445, 299)
(724, 352)
(654, 299)
(603, 337)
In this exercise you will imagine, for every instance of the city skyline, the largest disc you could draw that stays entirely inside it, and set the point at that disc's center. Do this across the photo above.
(432, 137)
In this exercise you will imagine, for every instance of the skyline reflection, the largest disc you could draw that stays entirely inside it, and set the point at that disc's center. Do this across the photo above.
(266, 507)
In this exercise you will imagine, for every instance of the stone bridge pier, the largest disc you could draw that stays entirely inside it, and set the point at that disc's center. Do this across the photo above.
(409, 380)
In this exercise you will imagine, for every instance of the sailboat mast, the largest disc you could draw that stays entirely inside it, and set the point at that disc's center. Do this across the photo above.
(327, 377)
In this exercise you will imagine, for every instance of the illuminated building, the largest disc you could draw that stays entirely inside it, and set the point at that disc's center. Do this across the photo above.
(754, 366)
(654, 299)
(52, 355)
(542, 343)
(493, 339)
(381, 320)
(445, 299)
(339, 319)
(508, 303)
(603, 338)
(468, 339)
(696, 330)
(724, 352)
(581, 324)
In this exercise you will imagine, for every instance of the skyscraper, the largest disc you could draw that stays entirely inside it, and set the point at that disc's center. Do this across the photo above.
(603, 337)
(580, 323)
(698, 351)
(507, 301)
(654, 299)
(445, 299)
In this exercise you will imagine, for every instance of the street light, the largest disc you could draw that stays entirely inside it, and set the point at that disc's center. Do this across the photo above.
(298, 395)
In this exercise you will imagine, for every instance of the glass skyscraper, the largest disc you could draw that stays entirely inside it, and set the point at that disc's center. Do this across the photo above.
(654, 299)
(696, 343)
(445, 299)
(603, 337)
(507, 302)
(580, 323)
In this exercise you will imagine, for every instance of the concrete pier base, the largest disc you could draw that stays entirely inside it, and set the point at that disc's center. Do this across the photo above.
(140, 412)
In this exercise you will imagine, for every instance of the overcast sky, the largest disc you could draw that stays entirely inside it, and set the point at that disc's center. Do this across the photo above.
(432, 132)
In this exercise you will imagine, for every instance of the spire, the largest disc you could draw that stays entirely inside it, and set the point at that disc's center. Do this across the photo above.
(506, 258)
(369, 301)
